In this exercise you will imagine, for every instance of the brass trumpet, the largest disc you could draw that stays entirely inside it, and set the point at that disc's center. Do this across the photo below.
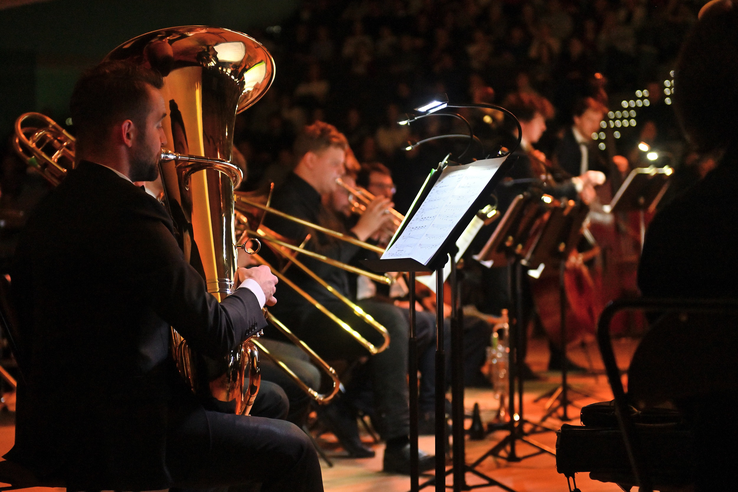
(360, 198)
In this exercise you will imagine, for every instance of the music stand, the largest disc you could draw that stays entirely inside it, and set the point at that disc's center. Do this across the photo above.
(642, 190)
(509, 244)
(447, 202)
(557, 238)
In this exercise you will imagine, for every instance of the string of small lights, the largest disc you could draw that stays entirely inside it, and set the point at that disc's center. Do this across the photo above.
(627, 117)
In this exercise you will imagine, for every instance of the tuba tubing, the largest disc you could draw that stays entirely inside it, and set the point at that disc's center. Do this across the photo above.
(191, 164)
(210, 74)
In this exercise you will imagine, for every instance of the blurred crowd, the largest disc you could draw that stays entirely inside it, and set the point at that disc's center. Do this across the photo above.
(361, 64)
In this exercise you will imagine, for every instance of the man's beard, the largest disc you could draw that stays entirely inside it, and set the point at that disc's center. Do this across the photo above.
(144, 165)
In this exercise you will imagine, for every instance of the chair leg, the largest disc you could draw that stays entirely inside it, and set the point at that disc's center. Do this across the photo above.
(366, 424)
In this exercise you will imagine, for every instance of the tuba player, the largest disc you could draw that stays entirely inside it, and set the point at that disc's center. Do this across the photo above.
(103, 406)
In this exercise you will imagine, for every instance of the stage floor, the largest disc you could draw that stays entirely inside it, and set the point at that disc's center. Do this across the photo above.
(533, 473)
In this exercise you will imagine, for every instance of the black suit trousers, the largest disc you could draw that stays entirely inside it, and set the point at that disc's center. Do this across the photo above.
(207, 449)
(387, 369)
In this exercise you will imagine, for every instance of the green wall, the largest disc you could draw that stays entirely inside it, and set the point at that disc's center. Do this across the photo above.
(44, 46)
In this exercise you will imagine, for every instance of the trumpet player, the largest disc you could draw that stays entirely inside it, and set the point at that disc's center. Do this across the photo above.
(320, 151)
(102, 405)
(376, 179)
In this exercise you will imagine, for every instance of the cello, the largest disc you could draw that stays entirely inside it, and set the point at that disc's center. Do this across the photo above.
(578, 284)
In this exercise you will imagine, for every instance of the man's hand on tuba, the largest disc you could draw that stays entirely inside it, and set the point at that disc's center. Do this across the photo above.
(264, 277)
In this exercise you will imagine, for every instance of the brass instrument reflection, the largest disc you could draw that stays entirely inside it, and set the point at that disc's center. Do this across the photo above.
(360, 198)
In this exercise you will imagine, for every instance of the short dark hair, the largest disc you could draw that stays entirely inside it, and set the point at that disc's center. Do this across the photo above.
(317, 137)
(525, 105)
(706, 80)
(362, 179)
(582, 104)
(107, 93)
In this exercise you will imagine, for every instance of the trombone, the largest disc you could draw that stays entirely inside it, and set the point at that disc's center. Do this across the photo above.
(243, 201)
(315, 358)
(271, 237)
(44, 145)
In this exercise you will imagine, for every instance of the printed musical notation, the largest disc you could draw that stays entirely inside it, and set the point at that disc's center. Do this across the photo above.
(448, 201)
(461, 244)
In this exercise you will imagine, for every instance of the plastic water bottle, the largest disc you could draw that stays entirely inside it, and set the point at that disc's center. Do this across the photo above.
(498, 364)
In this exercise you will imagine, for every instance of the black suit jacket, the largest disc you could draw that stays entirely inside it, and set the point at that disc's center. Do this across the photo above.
(299, 199)
(568, 155)
(98, 279)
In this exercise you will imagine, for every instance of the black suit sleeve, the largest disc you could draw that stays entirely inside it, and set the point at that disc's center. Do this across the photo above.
(177, 293)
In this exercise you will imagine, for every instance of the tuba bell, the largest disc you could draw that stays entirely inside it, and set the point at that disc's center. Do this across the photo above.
(210, 74)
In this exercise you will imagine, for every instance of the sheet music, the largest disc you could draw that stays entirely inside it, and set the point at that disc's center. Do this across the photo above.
(462, 244)
(451, 197)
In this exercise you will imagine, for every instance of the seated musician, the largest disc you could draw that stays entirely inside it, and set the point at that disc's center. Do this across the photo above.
(576, 153)
(532, 168)
(320, 151)
(102, 405)
(533, 171)
(379, 179)
(690, 245)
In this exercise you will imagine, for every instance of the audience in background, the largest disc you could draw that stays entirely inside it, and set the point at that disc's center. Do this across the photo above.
(359, 62)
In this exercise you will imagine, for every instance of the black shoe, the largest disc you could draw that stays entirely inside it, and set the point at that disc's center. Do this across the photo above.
(344, 427)
(397, 460)
(357, 449)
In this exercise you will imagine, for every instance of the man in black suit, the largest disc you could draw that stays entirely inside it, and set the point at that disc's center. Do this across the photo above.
(576, 153)
(533, 168)
(103, 406)
(320, 151)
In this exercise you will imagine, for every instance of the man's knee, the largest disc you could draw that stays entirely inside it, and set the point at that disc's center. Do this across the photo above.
(271, 401)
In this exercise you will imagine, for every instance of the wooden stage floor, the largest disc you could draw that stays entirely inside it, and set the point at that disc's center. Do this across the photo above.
(536, 473)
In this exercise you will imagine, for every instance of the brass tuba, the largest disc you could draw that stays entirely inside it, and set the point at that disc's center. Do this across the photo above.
(210, 75)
